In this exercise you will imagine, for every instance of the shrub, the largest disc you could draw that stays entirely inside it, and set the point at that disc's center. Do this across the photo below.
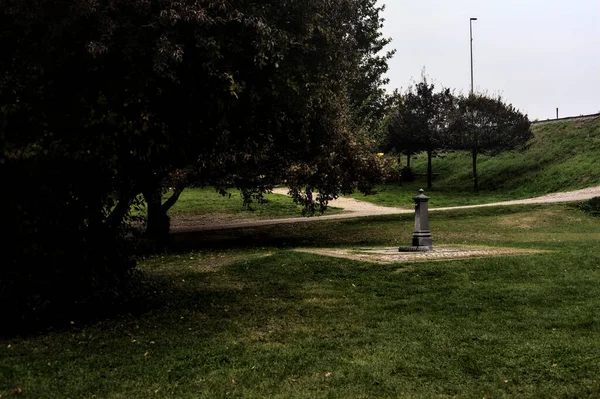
(407, 174)
(591, 206)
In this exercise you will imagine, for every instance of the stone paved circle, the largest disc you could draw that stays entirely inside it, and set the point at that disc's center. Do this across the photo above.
(391, 255)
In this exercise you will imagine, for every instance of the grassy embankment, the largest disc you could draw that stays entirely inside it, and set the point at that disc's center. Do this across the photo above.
(562, 156)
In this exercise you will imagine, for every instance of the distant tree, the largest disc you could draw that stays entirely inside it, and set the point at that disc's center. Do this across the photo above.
(486, 125)
(399, 139)
(420, 121)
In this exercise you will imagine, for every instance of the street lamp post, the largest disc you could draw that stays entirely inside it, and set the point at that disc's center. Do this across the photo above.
(471, 36)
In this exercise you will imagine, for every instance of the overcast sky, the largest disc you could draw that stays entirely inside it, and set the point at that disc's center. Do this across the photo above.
(537, 54)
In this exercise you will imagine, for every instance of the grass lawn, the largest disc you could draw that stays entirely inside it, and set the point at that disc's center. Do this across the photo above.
(441, 195)
(206, 202)
(239, 314)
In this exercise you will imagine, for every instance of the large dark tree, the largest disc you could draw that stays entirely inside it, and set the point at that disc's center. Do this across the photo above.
(101, 101)
(420, 121)
(488, 125)
(320, 67)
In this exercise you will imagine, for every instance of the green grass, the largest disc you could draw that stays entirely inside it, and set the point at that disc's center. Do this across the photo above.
(440, 195)
(562, 156)
(206, 202)
(239, 314)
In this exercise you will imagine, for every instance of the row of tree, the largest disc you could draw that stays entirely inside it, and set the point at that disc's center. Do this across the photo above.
(430, 121)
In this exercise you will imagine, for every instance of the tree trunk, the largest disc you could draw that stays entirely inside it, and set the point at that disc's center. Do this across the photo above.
(400, 177)
(173, 198)
(474, 157)
(117, 215)
(429, 155)
(408, 160)
(158, 224)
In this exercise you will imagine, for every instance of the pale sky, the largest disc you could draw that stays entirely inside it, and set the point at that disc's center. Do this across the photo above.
(537, 54)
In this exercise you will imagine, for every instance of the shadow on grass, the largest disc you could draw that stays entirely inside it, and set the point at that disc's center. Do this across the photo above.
(391, 230)
(376, 230)
(276, 323)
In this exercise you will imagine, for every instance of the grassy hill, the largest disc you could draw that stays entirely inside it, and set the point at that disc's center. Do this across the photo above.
(562, 156)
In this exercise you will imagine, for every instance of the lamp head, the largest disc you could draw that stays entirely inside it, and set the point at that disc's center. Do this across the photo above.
(473, 19)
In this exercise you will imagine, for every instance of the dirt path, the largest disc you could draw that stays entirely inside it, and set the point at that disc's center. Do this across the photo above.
(567, 196)
(356, 208)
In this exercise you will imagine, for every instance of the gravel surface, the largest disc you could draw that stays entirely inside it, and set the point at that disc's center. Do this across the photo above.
(355, 208)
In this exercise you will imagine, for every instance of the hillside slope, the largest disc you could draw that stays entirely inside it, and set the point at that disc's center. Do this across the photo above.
(562, 156)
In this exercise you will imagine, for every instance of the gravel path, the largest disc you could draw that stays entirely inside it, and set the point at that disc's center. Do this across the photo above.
(355, 208)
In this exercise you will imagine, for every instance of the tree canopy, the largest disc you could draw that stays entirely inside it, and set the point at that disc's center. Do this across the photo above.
(488, 125)
(101, 101)
(420, 122)
(423, 120)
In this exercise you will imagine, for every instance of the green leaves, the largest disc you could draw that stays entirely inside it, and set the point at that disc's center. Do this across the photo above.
(101, 101)
(420, 120)
(486, 125)
(489, 125)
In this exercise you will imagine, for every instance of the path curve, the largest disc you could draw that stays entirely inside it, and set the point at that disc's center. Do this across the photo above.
(356, 208)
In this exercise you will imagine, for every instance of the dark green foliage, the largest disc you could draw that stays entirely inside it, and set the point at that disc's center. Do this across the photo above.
(485, 125)
(424, 121)
(103, 101)
(419, 122)
(591, 206)
(407, 174)
(56, 263)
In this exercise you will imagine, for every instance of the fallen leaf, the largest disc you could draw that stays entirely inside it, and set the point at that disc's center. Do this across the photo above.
(147, 353)
(328, 374)
(17, 391)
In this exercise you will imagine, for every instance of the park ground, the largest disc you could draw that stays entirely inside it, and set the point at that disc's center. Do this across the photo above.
(347, 207)
(239, 313)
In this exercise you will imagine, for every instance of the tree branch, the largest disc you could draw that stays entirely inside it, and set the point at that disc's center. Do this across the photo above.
(173, 198)
(118, 213)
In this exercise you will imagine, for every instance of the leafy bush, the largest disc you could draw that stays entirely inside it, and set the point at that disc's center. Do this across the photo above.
(407, 174)
(591, 206)
(58, 262)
